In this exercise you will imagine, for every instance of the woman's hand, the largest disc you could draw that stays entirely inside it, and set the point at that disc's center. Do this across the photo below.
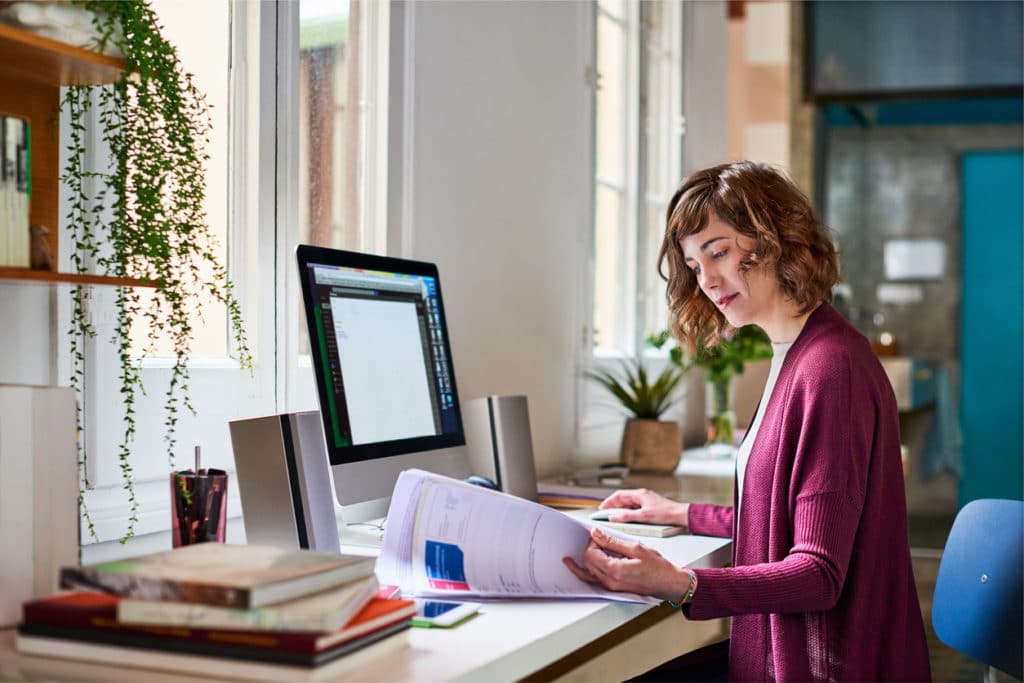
(627, 566)
(646, 506)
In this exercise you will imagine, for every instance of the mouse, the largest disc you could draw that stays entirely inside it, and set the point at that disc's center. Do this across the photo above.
(606, 514)
(482, 481)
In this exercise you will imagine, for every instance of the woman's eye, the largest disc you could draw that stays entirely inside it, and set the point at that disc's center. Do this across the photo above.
(719, 254)
(695, 269)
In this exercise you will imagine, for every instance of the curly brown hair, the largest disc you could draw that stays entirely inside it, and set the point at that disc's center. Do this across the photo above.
(758, 202)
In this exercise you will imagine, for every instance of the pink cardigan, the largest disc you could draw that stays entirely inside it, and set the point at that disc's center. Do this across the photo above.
(821, 586)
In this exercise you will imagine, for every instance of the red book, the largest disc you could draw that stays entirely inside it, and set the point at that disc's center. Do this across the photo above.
(93, 617)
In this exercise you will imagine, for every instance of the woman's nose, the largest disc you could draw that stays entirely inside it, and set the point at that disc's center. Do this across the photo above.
(708, 279)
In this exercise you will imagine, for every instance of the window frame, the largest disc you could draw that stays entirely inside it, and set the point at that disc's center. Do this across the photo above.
(262, 209)
(599, 419)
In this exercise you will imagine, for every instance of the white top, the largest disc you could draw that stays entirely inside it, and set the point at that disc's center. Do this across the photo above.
(743, 454)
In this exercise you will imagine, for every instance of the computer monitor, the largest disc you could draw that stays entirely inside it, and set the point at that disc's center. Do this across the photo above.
(383, 367)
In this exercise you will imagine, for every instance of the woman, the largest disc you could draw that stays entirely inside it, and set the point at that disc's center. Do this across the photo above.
(821, 586)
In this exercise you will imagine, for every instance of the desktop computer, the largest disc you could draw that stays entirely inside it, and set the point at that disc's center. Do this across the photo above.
(382, 362)
(384, 375)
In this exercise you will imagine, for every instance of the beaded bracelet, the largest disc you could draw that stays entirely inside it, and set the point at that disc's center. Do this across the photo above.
(688, 595)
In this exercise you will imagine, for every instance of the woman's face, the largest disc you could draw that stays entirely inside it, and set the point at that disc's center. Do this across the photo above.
(714, 255)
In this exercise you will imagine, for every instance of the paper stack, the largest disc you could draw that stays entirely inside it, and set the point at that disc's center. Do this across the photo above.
(452, 540)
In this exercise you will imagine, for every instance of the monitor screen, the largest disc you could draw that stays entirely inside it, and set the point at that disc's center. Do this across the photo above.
(381, 355)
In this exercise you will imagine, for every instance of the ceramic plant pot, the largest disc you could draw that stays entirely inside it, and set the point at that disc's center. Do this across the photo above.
(651, 445)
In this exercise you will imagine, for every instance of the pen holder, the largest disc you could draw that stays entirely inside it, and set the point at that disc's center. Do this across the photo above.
(199, 504)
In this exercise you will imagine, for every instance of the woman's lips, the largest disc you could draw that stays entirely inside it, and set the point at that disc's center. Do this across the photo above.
(724, 302)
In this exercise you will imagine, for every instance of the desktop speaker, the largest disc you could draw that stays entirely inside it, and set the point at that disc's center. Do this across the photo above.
(498, 443)
(285, 482)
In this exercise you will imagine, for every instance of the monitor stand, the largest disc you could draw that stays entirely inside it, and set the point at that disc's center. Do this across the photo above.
(369, 534)
(362, 524)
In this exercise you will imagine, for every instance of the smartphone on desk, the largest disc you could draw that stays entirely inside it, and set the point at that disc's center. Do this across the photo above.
(443, 613)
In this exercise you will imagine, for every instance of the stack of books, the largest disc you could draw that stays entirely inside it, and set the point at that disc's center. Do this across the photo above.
(231, 611)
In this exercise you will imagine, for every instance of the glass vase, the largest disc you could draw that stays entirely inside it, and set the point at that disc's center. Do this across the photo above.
(721, 414)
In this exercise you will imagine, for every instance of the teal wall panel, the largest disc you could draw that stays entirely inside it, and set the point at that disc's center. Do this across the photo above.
(991, 408)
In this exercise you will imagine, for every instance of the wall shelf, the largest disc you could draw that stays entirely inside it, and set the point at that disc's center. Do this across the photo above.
(26, 56)
(32, 71)
(46, 277)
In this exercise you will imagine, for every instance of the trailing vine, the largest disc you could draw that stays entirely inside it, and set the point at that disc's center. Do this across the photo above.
(145, 218)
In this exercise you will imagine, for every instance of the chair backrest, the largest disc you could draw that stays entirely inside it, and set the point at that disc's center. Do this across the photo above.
(977, 603)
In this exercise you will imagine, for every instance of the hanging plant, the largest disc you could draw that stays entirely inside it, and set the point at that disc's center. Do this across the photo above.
(146, 218)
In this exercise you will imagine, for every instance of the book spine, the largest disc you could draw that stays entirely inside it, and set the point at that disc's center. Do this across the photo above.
(14, 191)
(235, 669)
(300, 643)
(321, 612)
(6, 189)
(41, 615)
(144, 588)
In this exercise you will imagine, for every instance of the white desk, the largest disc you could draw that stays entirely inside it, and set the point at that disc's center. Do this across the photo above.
(696, 463)
(509, 640)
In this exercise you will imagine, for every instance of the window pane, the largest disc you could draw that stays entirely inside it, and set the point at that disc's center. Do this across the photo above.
(329, 124)
(662, 86)
(328, 130)
(203, 48)
(341, 80)
(612, 271)
(611, 93)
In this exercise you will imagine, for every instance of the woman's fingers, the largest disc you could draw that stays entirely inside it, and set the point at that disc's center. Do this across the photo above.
(621, 499)
(612, 544)
(590, 571)
(629, 515)
(615, 563)
(581, 572)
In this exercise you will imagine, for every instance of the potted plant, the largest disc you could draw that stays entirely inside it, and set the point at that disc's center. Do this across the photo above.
(140, 215)
(648, 443)
(721, 363)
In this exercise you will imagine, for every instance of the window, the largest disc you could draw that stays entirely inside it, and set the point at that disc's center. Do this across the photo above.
(638, 164)
(342, 154)
(297, 155)
(340, 124)
(219, 389)
(638, 155)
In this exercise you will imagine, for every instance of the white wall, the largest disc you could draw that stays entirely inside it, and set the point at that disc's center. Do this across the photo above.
(500, 197)
(25, 355)
(704, 84)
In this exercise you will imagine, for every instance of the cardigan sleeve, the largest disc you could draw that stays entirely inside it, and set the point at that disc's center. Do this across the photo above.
(827, 430)
(710, 520)
(809, 579)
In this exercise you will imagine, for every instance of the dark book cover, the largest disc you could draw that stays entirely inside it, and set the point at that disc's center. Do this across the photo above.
(210, 647)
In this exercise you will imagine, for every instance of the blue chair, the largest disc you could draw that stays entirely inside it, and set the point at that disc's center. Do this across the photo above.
(977, 603)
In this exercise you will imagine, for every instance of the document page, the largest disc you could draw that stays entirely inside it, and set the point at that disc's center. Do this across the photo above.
(448, 538)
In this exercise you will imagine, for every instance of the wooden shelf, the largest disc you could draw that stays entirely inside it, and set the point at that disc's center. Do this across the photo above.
(32, 71)
(26, 56)
(46, 277)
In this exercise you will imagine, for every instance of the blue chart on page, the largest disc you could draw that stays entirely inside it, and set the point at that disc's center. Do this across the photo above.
(446, 566)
